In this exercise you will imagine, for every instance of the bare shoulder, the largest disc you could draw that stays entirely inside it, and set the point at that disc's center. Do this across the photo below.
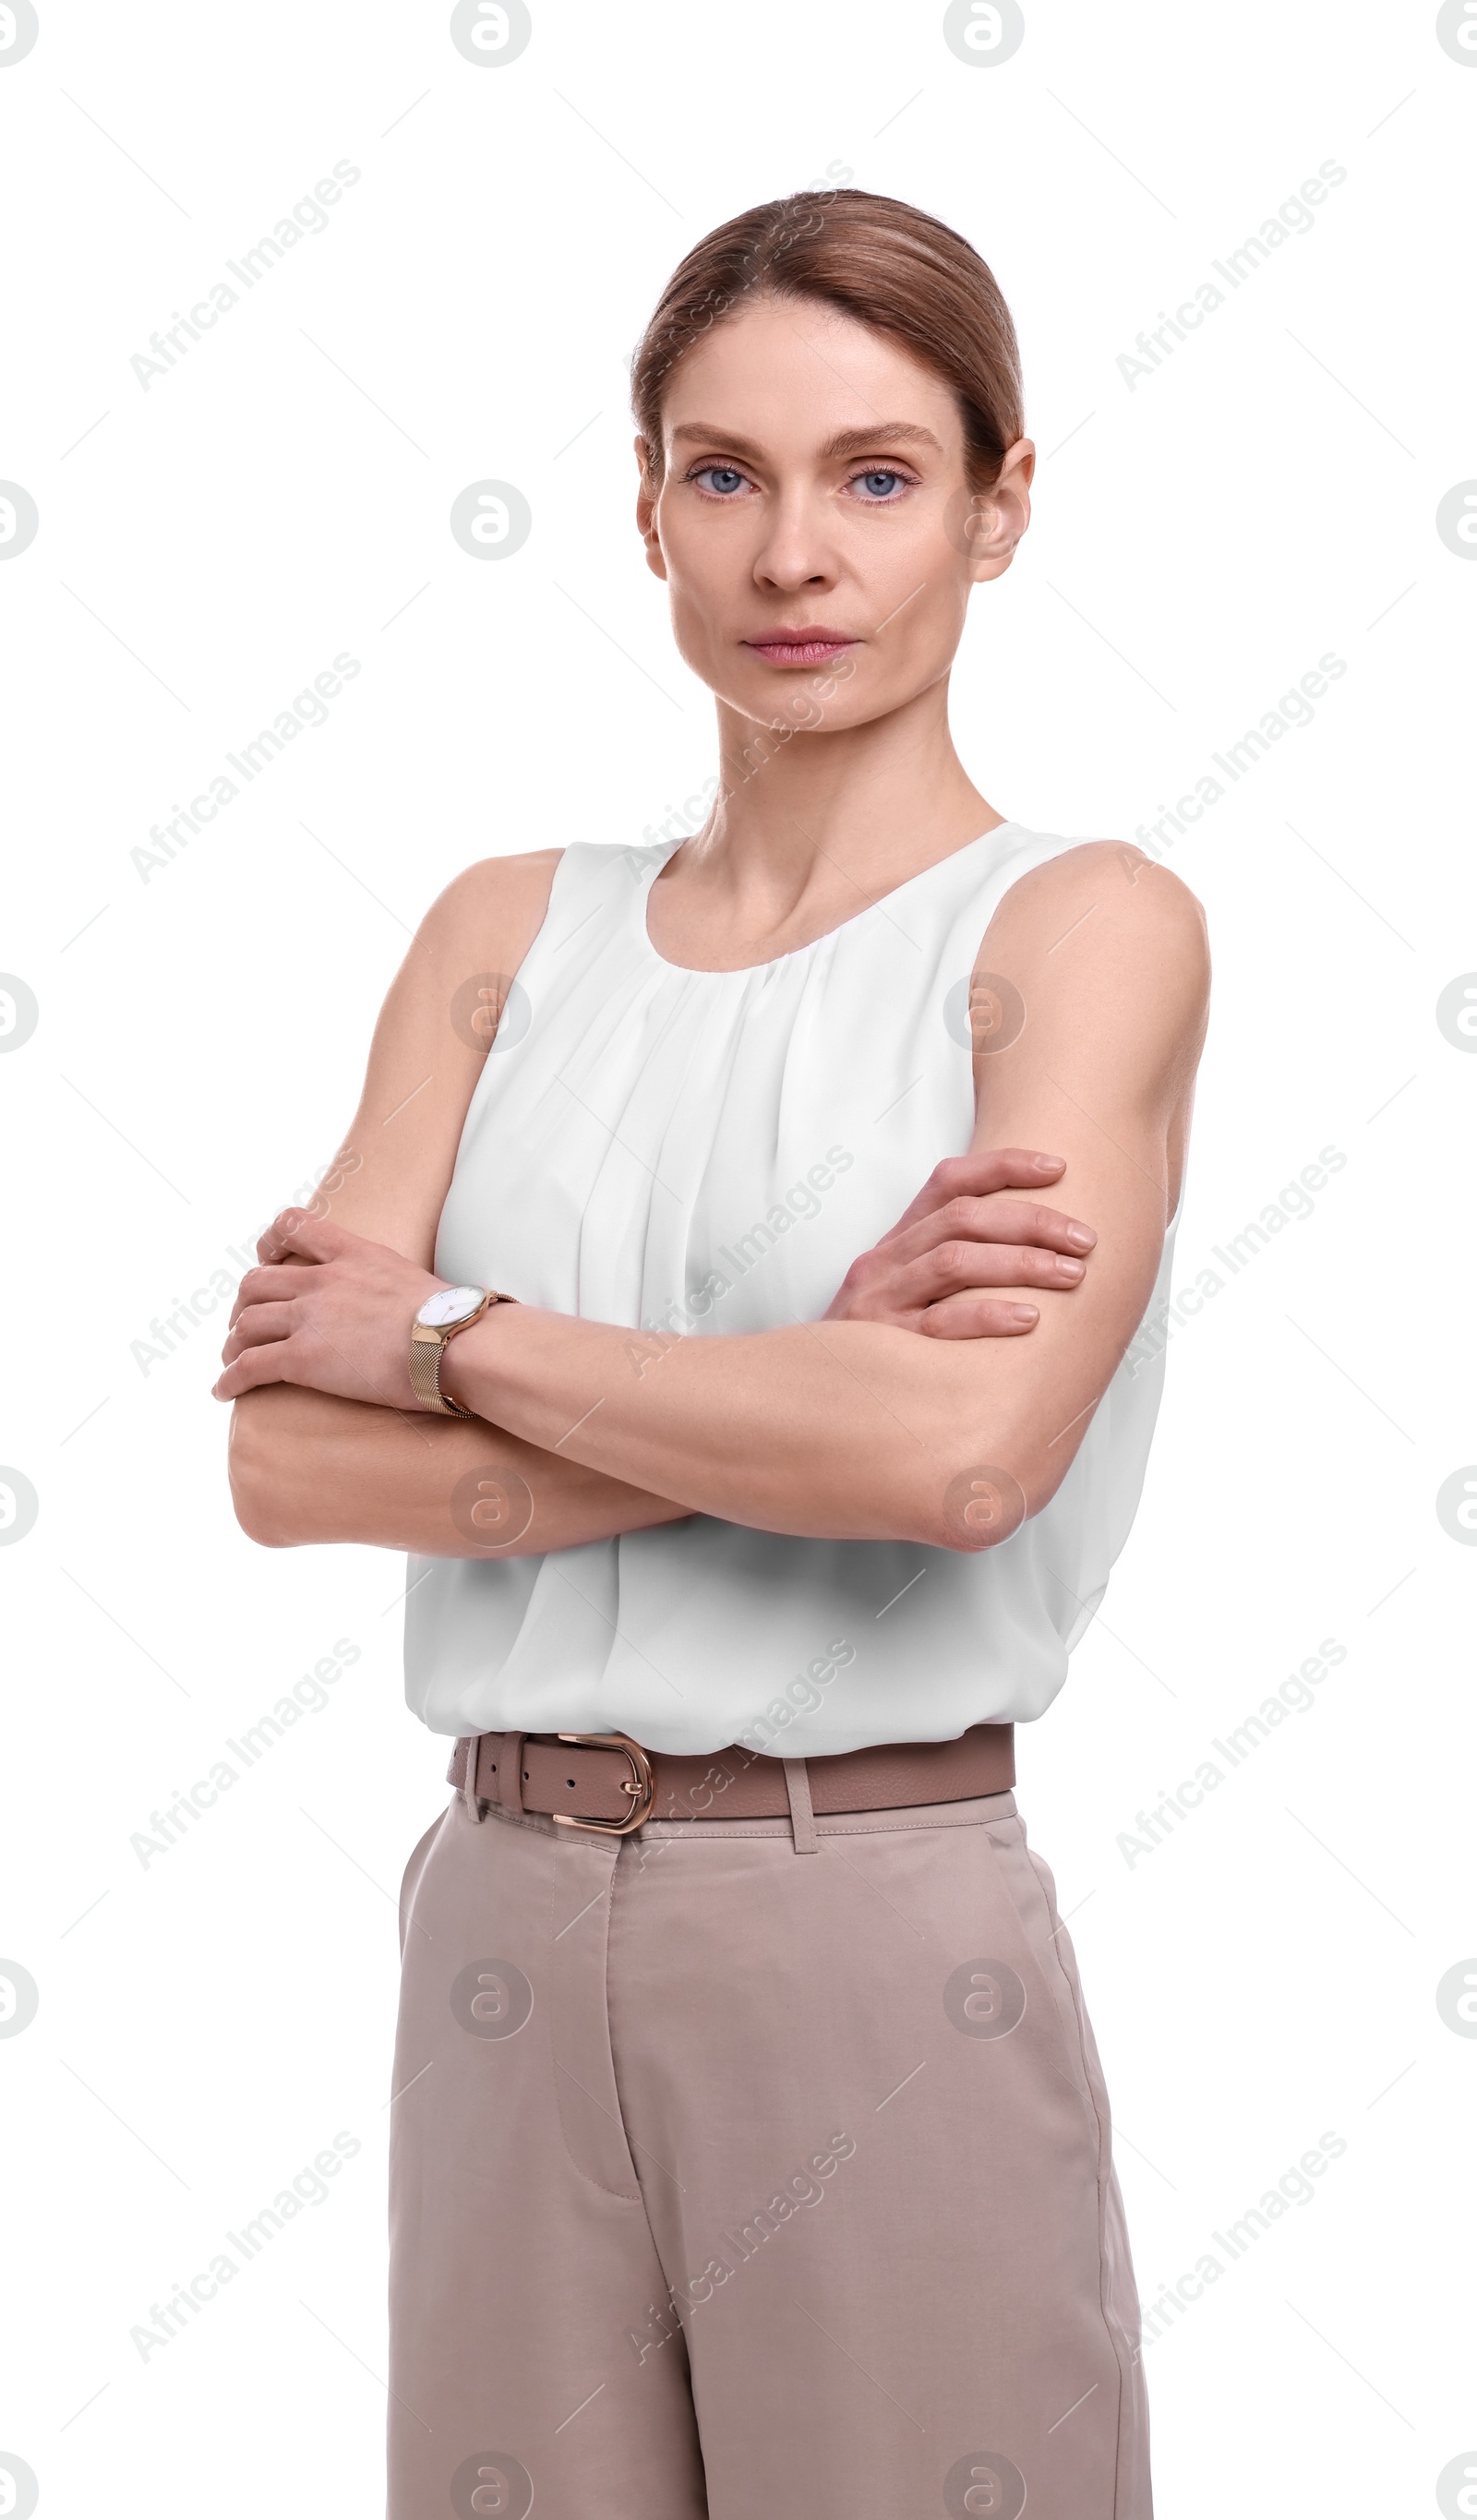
(1105, 909)
(1111, 875)
(489, 914)
(438, 1023)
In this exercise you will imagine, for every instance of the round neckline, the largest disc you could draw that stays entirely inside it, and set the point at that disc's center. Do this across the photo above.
(746, 970)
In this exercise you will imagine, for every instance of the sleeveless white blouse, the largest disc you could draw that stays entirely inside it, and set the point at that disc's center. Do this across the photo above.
(706, 1152)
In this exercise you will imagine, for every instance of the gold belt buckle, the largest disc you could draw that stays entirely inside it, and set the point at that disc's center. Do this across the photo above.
(641, 1785)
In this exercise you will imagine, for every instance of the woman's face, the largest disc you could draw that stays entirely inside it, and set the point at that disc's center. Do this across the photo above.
(815, 481)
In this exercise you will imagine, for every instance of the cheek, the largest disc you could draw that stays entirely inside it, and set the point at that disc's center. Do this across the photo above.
(903, 573)
(919, 588)
(708, 579)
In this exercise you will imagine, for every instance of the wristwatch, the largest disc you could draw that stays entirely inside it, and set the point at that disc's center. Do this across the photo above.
(449, 1310)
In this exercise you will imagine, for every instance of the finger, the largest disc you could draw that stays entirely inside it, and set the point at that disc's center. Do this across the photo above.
(1019, 1220)
(280, 1283)
(979, 1174)
(273, 1362)
(312, 1237)
(260, 1326)
(986, 1220)
(953, 1268)
(976, 1316)
(990, 1168)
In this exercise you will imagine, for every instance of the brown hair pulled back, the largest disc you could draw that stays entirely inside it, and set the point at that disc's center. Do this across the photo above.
(883, 262)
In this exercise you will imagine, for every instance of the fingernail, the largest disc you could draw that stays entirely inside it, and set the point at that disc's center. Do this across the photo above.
(1083, 1236)
(1025, 1313)
(1069, 1268)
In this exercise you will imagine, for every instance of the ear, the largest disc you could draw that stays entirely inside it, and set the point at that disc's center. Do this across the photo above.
(646, 514)
(991, 523)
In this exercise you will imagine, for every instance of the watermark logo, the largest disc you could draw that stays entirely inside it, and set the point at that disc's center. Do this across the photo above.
(985, 1999)
(1457, 2488)
(1455, 1010)
(491, 2000)
(985, 1014)
(1456, 2003)
(491, 520)
(1456, 514)
(490, 2481)
(19, 513)
(984, 33)
(18, 1012)
(19, 1506)
(18, 2489)
(984, 2482)
(19, 1997)
(983, 1506)
(1457, 35)
(973, 524)
(490, 33)
(491, 1508)
(491, 1012)
(19, 29)
(1455, 1504)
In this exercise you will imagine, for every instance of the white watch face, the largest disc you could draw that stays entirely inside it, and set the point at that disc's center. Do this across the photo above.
(451, 1304)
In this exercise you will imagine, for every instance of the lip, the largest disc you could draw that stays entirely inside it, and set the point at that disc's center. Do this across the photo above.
(811, 644)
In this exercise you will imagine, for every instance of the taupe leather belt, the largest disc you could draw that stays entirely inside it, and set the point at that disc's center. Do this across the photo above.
(607, 1781)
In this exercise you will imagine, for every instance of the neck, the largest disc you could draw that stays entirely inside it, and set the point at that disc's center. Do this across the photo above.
(812, 818)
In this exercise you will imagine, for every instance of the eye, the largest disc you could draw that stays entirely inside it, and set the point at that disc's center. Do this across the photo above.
(881, 484)
(725, 479)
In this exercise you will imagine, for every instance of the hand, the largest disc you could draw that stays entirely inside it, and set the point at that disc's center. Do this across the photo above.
(960, 1237)
(340, 1325)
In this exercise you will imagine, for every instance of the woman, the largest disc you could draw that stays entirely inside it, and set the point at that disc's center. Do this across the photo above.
(749, 1520)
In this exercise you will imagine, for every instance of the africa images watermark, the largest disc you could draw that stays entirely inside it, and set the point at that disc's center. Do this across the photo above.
(753, 1739)
(1294, 2187)
(167, 1335)
(803, 2187)
(1294, 708)
(1293, 1697)
(1294, 217)
(308, 1696)
(798, 1205)
(1293, 1203)
(169, 2319)
(309, 217)
(308, 709)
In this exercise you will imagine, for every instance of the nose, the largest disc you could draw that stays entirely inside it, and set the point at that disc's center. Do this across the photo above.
(797, 548)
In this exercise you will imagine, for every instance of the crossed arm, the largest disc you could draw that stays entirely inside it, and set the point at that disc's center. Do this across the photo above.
(870, 1424)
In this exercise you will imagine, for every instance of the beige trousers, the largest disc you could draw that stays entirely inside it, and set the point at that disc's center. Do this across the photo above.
(726, 2182)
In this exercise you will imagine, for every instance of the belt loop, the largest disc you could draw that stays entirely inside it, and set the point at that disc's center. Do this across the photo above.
(511, 1772)
(802, 1818)
(469, 1747)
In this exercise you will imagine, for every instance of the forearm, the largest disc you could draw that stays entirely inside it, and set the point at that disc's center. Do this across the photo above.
(833, 1429)
(306, 1466)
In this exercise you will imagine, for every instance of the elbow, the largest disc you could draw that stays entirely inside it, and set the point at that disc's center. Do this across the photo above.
(983, 1503)
(252, 1502)
(256, 1479)
(257, 1522)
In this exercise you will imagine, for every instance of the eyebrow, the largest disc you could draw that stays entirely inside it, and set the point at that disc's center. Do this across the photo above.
(851, 441)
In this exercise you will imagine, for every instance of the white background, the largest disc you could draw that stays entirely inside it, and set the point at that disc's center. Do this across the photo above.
(207, 546)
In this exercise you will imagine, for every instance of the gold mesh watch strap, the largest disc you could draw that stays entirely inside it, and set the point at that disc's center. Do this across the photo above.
(426, 1349)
